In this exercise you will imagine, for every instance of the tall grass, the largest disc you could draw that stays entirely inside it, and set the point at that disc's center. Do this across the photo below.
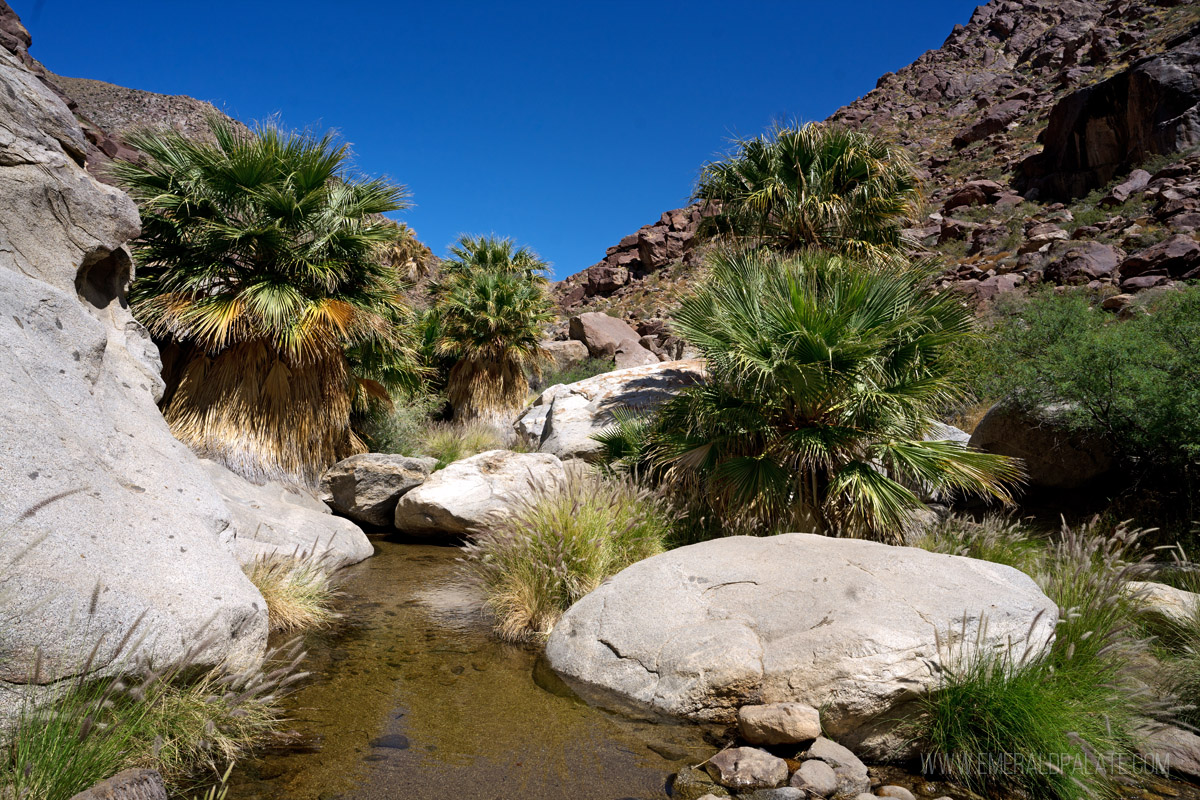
(1178, 643)
(452, 441)
(179, 720)
(995, 538)
(1062, 714)
(559, 544)
(298, 589)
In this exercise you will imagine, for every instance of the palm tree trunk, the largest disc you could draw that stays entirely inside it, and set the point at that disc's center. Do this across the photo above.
(262, 417)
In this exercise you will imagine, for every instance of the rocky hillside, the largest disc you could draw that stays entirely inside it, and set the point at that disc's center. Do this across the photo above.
(1031, 123)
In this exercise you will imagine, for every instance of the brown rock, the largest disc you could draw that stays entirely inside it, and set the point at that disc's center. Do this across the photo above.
(132, 784)
(603, 335)
(1086, 260)
(1178, 257)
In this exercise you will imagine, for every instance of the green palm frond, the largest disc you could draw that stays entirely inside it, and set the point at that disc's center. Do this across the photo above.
(261, 255)
(823, 375)
(814, 186)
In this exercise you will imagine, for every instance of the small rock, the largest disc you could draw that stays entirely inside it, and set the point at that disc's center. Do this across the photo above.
(1116, 302)
(816, 777)
(747, 768)
(782, 793)
(132, 784)
(779, 723)
(693, 783)
(851, 772)
(897, 792)
(391, 741)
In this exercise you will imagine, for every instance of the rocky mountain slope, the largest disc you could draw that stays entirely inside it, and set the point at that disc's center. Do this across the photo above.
(1029, 123)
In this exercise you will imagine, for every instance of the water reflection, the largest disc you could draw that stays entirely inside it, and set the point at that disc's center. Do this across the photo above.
(413, 697)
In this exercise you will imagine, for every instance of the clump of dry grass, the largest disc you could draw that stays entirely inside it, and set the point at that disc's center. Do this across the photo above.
(558, 544)
(995, 538)
(298, 589)
(451, 441)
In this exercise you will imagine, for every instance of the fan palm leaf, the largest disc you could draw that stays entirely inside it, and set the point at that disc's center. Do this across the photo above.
(261, 264)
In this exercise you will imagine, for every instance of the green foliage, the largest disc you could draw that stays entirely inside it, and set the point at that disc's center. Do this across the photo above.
(401, 429)
(823, 378)
(451, 441)
(263, 236)
(491, 308)
(998, 539)
(174, 720)
(1060, 710)
(816, 186)
(573, 373)
(559, 544)
(1134, 382)
(268, 270)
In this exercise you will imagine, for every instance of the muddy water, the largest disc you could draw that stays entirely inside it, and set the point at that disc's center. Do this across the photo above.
(412, 697)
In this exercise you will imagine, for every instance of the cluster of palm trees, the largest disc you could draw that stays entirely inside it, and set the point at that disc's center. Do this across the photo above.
(826, 351)
(276, 290)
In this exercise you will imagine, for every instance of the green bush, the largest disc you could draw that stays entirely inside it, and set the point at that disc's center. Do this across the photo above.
(995, 538)
(402, 428)
(450, 441)
(1134, 382)
(558, 545)
(573, 373)
(824, 375)
(1074, 703)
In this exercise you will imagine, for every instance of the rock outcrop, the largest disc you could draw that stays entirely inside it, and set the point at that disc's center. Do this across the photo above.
(278, 520)
(468, 493)
(113, 522)
(846, 625)
(1104, 130)
(366, 487)
(565, 417)
(608, 337)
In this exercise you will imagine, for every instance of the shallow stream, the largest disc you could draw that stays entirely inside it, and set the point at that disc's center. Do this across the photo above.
(412, 697)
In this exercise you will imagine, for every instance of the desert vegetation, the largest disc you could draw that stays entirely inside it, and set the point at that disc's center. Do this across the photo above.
(814, 187)
(263, 275)
(559, 543)
(824, 375)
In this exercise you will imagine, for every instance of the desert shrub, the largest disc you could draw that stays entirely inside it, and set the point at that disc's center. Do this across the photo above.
(573, 373)
(1134, 382)
(1063, 712)
(401, 429)
(559, 543)
(451, 441)
(995, 538)
(174, 720)
(824, 376)
(298, 590)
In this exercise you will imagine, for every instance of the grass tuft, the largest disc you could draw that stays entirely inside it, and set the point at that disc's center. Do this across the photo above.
(298, 589)
(559, 544)
(1063, 714)
(995, 538)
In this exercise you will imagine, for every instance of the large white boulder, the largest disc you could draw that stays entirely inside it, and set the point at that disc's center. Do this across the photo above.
(565, 417)
(844, 625)
(468, 493)
(274, 519)
(106, 521)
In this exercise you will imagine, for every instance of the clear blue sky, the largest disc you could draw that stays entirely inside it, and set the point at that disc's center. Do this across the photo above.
(563, 125)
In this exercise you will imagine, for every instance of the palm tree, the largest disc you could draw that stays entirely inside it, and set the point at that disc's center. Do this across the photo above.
(823, 379)
(491, 306)
(262, 274)
(816, 186)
